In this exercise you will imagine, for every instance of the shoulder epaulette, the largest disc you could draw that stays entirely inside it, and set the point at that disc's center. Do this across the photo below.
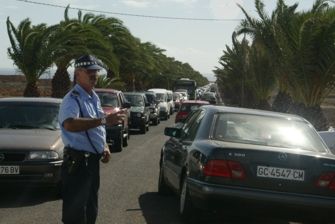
(75, 93)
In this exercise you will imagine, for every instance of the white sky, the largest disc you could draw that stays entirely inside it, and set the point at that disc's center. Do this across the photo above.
(199, 43)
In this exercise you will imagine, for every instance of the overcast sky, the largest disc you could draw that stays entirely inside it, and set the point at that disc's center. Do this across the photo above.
(199, 43)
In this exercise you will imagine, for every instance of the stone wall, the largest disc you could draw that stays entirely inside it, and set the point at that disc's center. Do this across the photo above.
(14, 85)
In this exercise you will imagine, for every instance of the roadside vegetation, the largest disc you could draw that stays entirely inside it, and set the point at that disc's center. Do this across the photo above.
(130, 63)
(283, 62)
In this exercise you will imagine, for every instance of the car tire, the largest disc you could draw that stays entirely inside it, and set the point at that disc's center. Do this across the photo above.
(125, 141)
(147, 126)
(163, 188)
(59, 190)
(143, 129)
(155, 122)
(118, 144)
(187, 211)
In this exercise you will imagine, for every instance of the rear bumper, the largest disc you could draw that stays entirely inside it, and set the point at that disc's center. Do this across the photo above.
(113, 133)
(207, 195)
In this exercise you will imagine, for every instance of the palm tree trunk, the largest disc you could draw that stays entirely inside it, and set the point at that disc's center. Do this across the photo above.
(61, 83)
(31, 90)
(313, 114)
(282, 102)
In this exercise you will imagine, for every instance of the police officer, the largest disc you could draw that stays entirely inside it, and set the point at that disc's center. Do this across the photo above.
(82, 124)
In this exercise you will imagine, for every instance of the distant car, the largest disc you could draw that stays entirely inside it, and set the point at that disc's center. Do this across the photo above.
(113, 100)
(154, 107)
(165, 107)
(170, 101)
(224, 154)
(177, 99)
(186, 107)
(210, 97)
(329, 138)
(31, 148)
(139, 111)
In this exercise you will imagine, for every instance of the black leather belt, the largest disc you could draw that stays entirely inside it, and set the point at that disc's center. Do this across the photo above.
(78, 154)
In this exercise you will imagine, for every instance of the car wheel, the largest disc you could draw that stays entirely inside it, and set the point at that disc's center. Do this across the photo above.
(147, 127)
(118, 144)
(155, 122)
(125, 142)
(143, 129)
(163, 188)
(187, 211)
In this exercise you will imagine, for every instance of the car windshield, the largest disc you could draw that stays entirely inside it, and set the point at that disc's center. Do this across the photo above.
(151, 98)
(268, 131)
(108, 100)
(135, 100)
(29, 116)
(161, 97)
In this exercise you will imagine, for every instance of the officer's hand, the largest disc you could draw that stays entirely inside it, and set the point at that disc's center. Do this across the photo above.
(116, 118)
(106, 155)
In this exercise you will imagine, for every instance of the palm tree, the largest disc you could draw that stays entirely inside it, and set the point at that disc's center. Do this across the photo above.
(30, 51)
(80, 36)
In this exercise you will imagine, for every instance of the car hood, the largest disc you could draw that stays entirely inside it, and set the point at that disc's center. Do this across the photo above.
(30, 139)
(137, 109)
(109, 110)
(163, 104)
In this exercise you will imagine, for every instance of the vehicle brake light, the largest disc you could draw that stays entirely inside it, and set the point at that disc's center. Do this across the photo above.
(224, 168)
(327, 180)
(180, 116)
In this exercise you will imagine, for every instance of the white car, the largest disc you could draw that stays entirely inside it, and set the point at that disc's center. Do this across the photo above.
(329, 138)
(162, 97)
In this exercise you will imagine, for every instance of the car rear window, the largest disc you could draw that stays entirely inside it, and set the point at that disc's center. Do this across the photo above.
(268, 131)
(187, 107)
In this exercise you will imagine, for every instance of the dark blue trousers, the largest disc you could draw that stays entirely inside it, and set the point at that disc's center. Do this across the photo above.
(81, 180)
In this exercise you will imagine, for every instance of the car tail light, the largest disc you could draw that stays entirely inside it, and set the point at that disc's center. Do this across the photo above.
(180, 116)
(327, 180)
(224, 168)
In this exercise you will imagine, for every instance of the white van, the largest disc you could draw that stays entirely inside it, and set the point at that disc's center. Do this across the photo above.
(170, 100)
(162, 97)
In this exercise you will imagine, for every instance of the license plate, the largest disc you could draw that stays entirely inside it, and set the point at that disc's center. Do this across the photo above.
(280, 173)
(9, 170)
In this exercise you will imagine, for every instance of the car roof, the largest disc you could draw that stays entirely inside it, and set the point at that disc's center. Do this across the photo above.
(134, 93)
(195, 102)
(218, 109)
(106, 90)
(31, 99)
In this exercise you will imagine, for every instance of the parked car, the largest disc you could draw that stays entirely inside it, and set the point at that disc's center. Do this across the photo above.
(139, 111)
(186, 107)
(224, 154)
(164, 106)
(154, 107)
(113, 100)
(329, 138)
(210, 97)
(177, 99)
(170, 101)
(31, 148)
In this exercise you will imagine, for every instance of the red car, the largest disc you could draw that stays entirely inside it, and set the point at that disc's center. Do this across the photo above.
(186, 107)
(113, 100)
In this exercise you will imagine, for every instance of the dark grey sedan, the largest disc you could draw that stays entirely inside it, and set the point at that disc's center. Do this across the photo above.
(224, 153)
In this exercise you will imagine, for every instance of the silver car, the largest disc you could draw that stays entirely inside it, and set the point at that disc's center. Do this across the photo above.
(31, 149)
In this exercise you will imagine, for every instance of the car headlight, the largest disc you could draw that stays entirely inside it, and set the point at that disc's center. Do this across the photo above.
(41, 155)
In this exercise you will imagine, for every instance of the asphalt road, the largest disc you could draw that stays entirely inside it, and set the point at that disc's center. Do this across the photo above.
(128, 193)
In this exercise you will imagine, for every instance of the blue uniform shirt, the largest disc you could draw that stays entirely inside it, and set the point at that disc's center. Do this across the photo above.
(91, 108)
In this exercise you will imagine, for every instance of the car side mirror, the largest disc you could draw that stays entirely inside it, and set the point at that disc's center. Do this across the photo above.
(172, 132)
(126, 105)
